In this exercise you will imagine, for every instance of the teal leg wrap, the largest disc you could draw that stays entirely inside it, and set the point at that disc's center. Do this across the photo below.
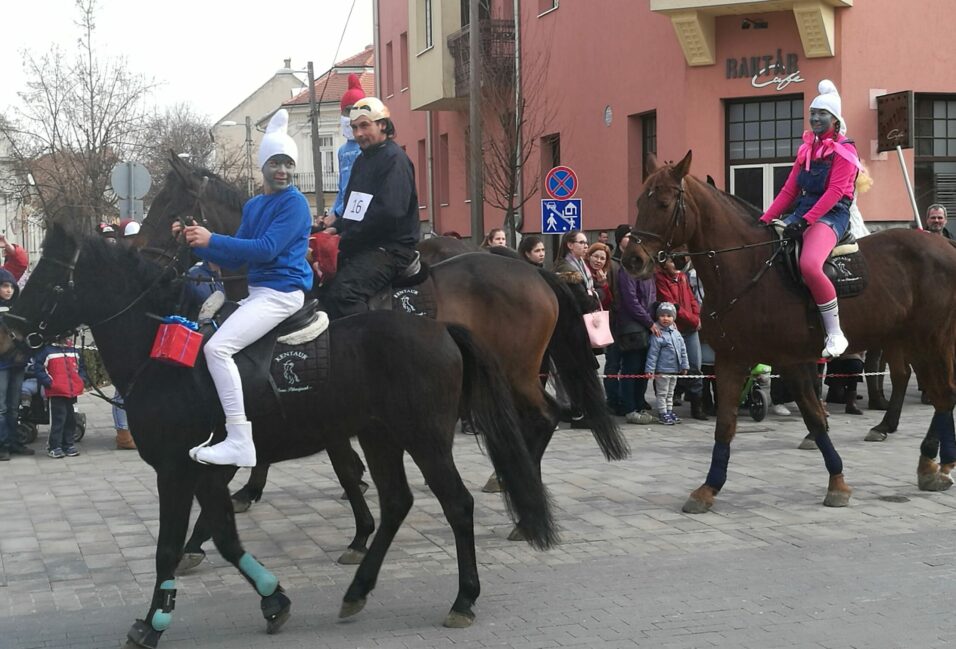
(163, 617)
(264, 581)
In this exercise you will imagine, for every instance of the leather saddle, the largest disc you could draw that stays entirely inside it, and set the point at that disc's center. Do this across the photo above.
(410, 292)
(845, 266)
(288, 364)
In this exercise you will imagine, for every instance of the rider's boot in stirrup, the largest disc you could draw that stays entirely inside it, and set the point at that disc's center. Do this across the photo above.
(237, 449)
(835, 343)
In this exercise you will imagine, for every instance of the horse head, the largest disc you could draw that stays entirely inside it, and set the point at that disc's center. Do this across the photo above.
(661, 224)
(189, 191)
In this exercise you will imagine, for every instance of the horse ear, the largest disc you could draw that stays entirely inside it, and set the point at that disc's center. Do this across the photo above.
(178, 165)
(682, 168)
(652, 164)
(711, 181)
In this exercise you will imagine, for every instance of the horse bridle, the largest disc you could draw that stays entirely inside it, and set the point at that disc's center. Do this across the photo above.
(38, 336)
(667, 252)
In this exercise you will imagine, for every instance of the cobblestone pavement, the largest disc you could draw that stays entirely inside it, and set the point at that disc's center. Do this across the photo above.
(768, 567)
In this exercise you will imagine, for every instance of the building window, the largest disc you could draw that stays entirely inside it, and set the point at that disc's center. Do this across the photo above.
(545, 6)
(762, 141)
(935, 154)
(648, 140)
(389, 70)
(425, 37)
(551, 151)
(443, 191)
(403, 61)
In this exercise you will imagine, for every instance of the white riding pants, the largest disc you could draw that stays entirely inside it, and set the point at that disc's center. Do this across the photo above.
(256, 315)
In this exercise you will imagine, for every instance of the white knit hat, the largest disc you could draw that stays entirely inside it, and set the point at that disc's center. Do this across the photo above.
(276, 141)
(829, 100)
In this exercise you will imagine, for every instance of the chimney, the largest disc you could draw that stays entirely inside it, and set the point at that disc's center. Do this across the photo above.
(287, 64)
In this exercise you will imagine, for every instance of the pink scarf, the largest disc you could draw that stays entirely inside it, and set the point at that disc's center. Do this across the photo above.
(827, 146)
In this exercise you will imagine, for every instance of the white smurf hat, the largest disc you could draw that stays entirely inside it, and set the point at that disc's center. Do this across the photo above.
(829, 100)
(276, 141)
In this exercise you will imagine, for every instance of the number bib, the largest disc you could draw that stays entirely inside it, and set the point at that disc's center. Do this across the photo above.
(357, 206)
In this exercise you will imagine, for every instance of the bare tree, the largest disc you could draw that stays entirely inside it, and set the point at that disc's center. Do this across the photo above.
(512, 127)
(78, 117)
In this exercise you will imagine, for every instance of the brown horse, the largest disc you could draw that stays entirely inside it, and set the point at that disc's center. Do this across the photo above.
(755, 312)
(508, 305)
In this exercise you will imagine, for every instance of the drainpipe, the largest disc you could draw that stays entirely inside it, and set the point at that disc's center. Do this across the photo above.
(430, 173)
(519, 169)
(376, 49)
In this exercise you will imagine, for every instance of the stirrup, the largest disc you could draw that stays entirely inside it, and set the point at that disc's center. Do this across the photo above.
(194, 450)
(835, 345)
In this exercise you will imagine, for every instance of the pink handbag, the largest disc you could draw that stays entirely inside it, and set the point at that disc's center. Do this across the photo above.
(598, 324)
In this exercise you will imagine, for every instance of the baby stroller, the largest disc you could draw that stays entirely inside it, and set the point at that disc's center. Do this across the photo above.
(35, 410)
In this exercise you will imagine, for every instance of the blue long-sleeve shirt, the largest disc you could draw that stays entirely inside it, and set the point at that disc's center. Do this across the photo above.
(272, 238)
(348, 152)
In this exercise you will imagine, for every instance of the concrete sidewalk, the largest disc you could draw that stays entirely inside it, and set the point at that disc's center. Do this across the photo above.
(768, 567)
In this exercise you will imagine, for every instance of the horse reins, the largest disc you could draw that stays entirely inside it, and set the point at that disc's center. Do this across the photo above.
(667, 252)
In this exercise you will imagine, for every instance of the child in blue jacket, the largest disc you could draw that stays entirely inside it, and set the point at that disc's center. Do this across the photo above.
(666, 358)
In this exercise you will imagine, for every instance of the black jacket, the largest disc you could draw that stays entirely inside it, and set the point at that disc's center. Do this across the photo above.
(391, 219)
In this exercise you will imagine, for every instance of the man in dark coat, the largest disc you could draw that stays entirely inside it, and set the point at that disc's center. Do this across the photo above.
(379, 225)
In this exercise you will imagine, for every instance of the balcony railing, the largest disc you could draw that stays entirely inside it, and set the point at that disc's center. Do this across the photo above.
(305, 181)
(497, 51)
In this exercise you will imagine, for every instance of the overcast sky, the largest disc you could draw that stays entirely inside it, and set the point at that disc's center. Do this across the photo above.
(209, 53)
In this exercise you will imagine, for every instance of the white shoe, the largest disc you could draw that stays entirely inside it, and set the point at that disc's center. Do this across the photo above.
(237, 449)
(780, 410)
(835, 345)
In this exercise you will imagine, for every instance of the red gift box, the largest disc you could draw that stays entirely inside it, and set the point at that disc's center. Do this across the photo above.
(176, 344)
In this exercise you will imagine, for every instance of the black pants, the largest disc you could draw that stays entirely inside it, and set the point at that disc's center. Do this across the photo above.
(360, 276)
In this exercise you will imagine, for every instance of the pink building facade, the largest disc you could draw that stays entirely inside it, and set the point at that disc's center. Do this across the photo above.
(730, 81)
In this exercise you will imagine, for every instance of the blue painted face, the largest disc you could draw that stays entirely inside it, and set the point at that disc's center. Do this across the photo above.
(277, 173)
(821, 121)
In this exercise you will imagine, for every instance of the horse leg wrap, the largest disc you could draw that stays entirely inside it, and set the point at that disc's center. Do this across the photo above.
(831, 458)
(942, 425)
(163, 615)
(264, 581)
(717, 475)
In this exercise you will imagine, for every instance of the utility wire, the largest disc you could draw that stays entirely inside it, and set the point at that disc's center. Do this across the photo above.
(328, 76)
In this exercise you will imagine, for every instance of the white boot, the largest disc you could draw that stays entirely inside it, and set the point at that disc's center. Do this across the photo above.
(835, 343)
(237, 449)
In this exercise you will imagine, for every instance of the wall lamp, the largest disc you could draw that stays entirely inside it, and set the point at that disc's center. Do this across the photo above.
(756, 24)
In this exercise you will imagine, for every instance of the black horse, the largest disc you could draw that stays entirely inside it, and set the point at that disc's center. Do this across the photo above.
(515, 311)
(398, 382)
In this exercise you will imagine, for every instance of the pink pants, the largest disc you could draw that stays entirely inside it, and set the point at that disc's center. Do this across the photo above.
(818, 241)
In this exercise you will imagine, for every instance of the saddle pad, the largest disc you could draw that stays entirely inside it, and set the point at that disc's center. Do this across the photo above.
(299, 371)
(416, 300)
(848, 273)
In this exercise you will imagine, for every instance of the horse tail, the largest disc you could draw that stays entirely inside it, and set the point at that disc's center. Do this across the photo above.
(487, 402)
(570, 351)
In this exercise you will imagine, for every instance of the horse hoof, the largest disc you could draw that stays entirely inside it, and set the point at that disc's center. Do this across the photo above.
(807, 444)
(493, 486)
(276, 609)
(875, 436)
(694, 506)
(351, 608)
(142, 635)
(240, 505)
(456, 620)
(517, 535)
(189, 561)
(934, 481)
(836, 499)
(352, 557)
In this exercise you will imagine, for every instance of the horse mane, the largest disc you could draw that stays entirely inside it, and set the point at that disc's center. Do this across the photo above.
(734, 202)
(217, 189)
(127, 271)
